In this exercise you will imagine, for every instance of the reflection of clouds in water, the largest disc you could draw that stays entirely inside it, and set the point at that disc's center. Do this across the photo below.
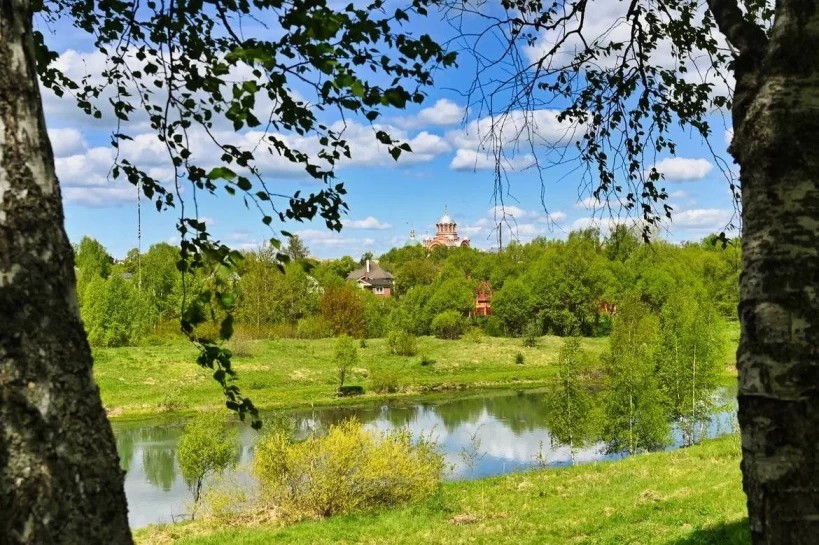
(499, 449)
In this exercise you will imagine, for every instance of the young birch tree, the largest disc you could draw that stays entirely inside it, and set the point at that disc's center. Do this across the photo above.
(688, 361)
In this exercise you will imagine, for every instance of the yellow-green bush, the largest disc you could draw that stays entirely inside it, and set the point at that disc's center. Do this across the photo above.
(349, 469)
(384, 381)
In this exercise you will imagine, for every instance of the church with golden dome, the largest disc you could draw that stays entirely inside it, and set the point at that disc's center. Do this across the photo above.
(446, 234)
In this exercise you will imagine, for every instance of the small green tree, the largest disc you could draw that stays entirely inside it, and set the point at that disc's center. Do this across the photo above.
(569, 412)
(514, 305)
(296, 249)
(92, 260)
(345, 356)
(448, 325)
(531, 334)
(343, 308)
(688, 360)
(452, 293)
(635, 419)
(207, 446)
(402, 343)
(113, 312)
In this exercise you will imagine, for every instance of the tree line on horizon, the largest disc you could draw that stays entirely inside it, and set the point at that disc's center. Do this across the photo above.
(561, 287)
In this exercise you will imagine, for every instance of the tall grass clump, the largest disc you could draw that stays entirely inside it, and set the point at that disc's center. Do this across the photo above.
(349, 469)
(402, 343)
(384, 381)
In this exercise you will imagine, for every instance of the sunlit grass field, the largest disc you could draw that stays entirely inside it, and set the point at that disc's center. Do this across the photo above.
(290, 372)
(283, 373)
(691, 496)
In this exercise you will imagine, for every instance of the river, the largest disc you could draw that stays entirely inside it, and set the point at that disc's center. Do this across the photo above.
(479, 436)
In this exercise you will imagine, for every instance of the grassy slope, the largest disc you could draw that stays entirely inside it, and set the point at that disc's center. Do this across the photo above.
(285, 373)
(687, 497)
(289, 372)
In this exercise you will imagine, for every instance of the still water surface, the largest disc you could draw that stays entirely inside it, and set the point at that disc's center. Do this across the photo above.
(506, 432)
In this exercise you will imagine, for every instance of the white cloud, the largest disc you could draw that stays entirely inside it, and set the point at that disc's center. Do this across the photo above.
(590, 203)
(508, 210)
(516, 224)
(679, 169)
(443, 112)
(474, 160)
(480, 141)
(323, 237)
(541, 127)
(79, 166)
(66, 142)
(553, 217)
(703, 218)
(370, 222)
(605, 23)
(607, 224)
(99, 196)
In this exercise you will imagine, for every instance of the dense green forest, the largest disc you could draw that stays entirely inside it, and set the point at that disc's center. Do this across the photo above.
(561, 287)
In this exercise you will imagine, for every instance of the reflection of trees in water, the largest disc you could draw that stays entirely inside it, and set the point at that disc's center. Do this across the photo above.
(158, 446)
(460, 412)
(159, 464)
(125, 447)
(159, 455)
(523, 413)
(404, 416)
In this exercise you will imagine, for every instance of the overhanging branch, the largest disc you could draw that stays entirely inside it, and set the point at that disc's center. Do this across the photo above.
(745, 36)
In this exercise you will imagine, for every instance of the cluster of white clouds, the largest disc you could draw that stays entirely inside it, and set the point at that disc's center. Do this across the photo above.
(84, 169)
(369, 223)
(602, 23)
(680, 169)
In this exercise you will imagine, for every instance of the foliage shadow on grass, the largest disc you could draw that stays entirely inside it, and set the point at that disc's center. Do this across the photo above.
(733, 533)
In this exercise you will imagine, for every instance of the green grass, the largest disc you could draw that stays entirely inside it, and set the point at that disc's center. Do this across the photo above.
(284, 373)
(691, 496)
(730, 333)
(146, 381)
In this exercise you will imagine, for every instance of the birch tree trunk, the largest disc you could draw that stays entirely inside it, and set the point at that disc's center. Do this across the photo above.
(60, 480)
(776, 143)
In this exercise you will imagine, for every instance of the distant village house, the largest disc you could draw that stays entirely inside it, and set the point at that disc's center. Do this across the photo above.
(483, 299)
(374, 278)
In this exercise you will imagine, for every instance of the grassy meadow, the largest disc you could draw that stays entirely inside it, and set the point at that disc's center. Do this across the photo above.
(691, 496)
(162, 378)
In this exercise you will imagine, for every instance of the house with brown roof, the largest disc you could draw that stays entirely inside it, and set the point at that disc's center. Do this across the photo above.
(374, 278)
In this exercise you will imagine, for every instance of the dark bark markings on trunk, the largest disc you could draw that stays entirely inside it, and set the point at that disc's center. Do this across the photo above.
(60, 480)
(776, 143)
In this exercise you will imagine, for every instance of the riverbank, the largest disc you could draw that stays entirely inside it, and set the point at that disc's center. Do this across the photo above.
(686, 497)
(150, 381)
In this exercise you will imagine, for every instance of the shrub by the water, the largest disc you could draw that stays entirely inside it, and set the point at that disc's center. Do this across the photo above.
(402, 343)
(350, 391)
(172, 400)
(426, 360)
(384, 381)
(206, 447)
(349, 469)
(519, 359)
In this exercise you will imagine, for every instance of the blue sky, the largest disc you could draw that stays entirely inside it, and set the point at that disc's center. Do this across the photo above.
(386, 198)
